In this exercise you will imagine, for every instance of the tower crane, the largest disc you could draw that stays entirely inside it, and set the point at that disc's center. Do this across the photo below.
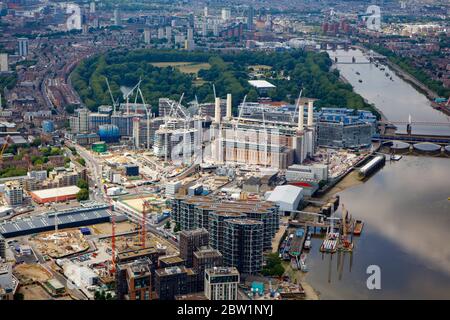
(297, 105)
(114, 102)
(129, 93)
(113, 244)
(5, 145)
(143, 231)
(113, 237)
(147, 115)
(241, 109)
(214, 90)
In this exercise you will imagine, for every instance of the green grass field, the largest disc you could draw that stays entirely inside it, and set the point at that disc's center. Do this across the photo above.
(260, 67)
(185, 67)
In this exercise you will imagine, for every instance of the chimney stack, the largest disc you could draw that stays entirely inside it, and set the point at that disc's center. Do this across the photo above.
(301, 115)
(229, 111)
(310, 112)
(217, 111)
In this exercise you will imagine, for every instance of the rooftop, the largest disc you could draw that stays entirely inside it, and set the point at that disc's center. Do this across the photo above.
(287, 193)
(261, 84)
(207, 253)
(136, 253)
(56, 192)
(244, 222)
(55, 284)
(171, 259)
(222, 271)
(191, 296)
(172, 270)
(77, 216)
(227, 207)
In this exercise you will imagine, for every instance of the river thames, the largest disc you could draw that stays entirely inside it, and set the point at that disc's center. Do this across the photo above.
(405, 208)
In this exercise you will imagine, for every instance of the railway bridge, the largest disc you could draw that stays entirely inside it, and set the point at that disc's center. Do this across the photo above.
(412, 138)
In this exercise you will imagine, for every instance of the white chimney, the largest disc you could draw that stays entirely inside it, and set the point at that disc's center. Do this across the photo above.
(310, 112)
(217, 111)
(301, 115)
(229, 112)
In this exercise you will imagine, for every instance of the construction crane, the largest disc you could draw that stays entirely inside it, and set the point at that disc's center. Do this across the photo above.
(297, 105)
(5, 145)
(143, 231)
(113, 237)
(197, 105)
(113, 244)
(214, 90)
(139, 91)
(114, 102)
(240, 111)
(175, 108)
(127, 96)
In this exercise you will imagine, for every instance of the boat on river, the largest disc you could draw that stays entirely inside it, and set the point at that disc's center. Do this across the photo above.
(359, 224)
(330, 243)
(302, 263)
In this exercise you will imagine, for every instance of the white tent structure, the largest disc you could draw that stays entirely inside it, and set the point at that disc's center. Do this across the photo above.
(287, 197)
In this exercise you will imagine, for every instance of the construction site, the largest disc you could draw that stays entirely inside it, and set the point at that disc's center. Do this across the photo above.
(60, 244)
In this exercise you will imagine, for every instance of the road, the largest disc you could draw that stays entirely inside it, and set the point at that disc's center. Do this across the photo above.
(95, 170)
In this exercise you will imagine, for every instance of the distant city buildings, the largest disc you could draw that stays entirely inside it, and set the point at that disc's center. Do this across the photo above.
(226, 14)
(4, 66)
(147, 36)
(117, 17)
(168, 33)
(23, 46)
(250, 15)
(92, 7)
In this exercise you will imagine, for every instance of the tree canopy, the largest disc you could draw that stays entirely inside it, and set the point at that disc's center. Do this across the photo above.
(229, 72)
(273, 266)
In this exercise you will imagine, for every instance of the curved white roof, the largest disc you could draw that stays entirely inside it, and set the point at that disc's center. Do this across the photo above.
(261, 84)
(287, 195)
